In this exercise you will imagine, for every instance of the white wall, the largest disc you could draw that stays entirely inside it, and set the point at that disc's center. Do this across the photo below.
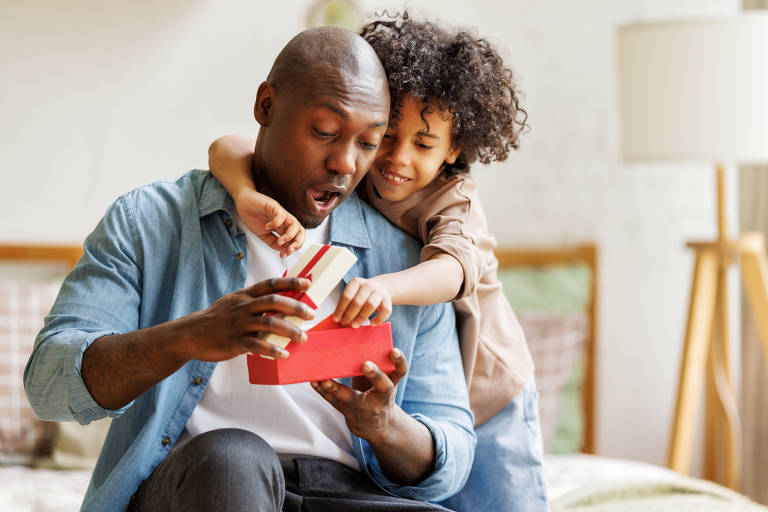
(99, 97)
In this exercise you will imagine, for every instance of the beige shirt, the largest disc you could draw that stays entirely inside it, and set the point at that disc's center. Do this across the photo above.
(446, 216)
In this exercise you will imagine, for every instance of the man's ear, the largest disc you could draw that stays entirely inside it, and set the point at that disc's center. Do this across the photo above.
(265, 101)
(452, 155)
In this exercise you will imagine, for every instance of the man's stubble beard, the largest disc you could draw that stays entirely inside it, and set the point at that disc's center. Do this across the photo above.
(263, 185)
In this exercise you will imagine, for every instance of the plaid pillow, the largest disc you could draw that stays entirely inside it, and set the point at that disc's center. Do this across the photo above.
(557, 342)
(23, 307)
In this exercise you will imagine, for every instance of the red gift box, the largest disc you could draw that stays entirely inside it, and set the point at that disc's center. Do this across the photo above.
(329, 352)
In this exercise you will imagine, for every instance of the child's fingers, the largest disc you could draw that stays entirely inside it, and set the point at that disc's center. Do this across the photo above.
(270, 240)
(383, 312)
(277, 220)
(371, 305)
(299, 240)
(356, 305)
(289, 234)
(346, 297)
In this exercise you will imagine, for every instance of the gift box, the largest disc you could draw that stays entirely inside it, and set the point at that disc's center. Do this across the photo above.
(324, 266)
(330, 351)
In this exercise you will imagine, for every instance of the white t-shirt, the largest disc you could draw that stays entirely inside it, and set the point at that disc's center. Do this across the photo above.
(293, 419)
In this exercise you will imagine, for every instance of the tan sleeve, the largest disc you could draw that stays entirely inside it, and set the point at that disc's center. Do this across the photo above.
(451, 226)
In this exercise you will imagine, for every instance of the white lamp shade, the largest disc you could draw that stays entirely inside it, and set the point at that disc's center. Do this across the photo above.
(695, 90)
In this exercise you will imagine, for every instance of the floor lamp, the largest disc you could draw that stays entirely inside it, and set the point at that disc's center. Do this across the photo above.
(697, 90)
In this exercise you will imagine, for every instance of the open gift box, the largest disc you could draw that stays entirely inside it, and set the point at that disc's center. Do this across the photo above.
(330, 351)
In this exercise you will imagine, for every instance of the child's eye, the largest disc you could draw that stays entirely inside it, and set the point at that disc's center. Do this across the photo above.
(424, 146)
(388, 136)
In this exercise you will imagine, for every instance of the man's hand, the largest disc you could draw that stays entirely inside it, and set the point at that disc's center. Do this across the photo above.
(270, 222)
(362, 298)
(236, 323)
(369, 413)
(403, 445)
(118, 368)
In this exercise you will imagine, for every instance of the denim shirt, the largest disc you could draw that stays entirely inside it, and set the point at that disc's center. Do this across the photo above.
(171, 248)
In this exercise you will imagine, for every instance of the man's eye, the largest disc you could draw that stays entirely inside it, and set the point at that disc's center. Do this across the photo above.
(322, 133)
(368, 145)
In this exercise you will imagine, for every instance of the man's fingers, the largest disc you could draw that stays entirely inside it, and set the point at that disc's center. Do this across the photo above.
(379, 380)
(339, 396)
(276, 285)
(274, 303)
(259, 346)
(401, 366)
(263, 325)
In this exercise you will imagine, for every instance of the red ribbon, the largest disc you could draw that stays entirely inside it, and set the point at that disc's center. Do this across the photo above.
(305, 272)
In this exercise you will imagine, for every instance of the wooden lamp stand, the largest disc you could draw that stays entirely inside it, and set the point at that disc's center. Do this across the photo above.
(706, 351)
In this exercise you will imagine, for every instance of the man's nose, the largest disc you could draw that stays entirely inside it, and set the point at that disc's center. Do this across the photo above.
(342, 160)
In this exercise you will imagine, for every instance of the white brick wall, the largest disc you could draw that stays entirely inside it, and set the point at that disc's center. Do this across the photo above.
(96, 99)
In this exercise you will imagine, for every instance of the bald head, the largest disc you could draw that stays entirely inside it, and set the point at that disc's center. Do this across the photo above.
(316, 53)
(322, 112)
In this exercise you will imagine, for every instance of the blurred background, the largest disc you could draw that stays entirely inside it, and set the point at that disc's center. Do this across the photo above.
(97, 98)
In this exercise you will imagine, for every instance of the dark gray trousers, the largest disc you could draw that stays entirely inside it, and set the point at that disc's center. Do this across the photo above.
(231, 470)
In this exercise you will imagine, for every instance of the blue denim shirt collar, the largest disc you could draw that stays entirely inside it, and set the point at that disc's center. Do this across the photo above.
(214, 197)
(347, 226)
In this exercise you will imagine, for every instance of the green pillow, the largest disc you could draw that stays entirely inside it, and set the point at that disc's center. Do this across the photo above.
(561, 288)
(557, 288)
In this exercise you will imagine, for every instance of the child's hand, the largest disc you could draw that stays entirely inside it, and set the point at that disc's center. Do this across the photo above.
(270, 222)
(362, 298)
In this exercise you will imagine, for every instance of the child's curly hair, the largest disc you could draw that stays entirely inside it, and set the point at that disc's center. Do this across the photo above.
(464, 75)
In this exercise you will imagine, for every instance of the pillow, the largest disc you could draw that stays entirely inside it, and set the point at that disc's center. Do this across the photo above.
(23, 307)
(550, 302)
(557, 342)
(76, 446)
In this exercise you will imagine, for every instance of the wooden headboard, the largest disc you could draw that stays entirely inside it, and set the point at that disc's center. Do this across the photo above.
(586, 254)
(42, 253)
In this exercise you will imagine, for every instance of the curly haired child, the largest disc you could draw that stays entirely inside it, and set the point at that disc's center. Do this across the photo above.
(452, 103)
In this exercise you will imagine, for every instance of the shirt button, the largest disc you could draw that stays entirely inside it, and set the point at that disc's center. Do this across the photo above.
(166, 441)
(240, 255)
(228, 223)
(197, 381)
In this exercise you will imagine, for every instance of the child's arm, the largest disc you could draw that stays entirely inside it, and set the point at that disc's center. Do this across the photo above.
(455, 255)
(229, 158)
(430, 282)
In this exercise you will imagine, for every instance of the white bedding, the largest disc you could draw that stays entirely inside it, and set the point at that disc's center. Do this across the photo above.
(575, 483)
(584, 483)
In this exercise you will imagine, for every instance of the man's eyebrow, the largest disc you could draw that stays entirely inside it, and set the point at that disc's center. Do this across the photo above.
(333, 108)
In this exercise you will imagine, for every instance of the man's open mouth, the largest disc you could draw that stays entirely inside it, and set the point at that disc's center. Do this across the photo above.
(322, 200)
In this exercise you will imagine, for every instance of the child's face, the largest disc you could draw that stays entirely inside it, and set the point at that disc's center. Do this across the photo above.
(410, 157)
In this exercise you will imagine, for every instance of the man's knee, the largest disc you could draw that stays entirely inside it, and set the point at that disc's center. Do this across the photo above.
(234, 451)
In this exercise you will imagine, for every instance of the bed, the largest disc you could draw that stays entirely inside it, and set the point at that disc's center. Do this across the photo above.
(45, 467)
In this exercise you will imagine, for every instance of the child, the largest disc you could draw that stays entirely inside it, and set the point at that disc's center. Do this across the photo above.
(453, 102)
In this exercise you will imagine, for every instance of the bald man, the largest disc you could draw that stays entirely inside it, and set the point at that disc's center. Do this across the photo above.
(152, 325)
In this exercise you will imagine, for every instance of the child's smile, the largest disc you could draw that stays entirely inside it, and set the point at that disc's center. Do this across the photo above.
(413, 151)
